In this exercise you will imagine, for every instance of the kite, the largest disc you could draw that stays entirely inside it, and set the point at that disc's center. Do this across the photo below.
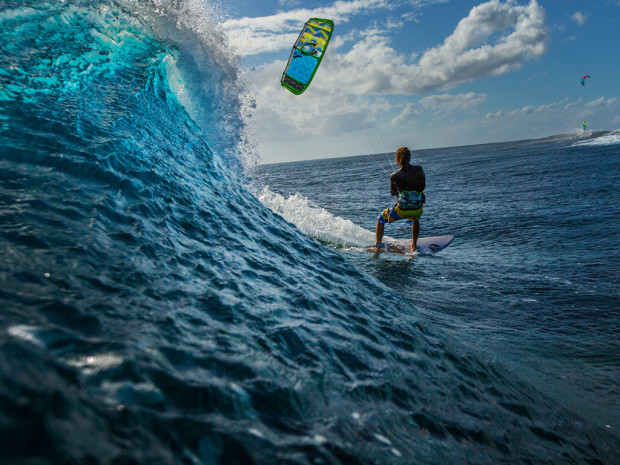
(307, 54)
(583, 80)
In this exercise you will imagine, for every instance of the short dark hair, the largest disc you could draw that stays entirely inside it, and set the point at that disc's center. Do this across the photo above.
(403, 156)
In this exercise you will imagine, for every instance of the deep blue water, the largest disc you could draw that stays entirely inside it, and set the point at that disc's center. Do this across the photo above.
(147, 317)
(531, 280)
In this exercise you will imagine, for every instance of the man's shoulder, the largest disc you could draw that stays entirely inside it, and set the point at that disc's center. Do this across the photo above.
(417, 169)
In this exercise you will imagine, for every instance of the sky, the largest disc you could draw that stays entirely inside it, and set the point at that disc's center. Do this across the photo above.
(428, 73)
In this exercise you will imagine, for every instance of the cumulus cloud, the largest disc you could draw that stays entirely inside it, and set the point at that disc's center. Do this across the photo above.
(449, 103)
(372, 65)
(334, 113)
(495, 38)
(406, 115)
(580, 18)
(466, 54)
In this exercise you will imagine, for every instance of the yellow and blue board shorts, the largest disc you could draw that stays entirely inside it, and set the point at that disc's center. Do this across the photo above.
(394, 213)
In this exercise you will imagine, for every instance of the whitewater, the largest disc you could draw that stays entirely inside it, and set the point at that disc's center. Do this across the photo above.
(161, 304)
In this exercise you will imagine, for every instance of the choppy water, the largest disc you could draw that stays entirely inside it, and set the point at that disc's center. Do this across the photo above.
(532, 277)
(145, 317)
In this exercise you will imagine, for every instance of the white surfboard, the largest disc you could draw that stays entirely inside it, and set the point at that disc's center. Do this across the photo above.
(425, 245)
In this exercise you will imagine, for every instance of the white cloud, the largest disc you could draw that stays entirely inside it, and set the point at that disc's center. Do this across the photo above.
(372, 65)
(281, 114)
(602, 102)
(580, 18)
(252, 36)
(527, 110)
(406, 115)
(367, 68)
(466, 55)
(289, 3)
(449, 103)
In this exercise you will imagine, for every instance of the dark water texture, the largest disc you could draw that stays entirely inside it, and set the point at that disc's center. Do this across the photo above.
(146, 318)
(532, 277)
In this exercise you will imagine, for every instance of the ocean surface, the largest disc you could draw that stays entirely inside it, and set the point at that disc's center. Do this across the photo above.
(165, 299)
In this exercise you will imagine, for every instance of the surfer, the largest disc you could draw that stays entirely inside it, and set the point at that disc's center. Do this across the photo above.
(407, 184)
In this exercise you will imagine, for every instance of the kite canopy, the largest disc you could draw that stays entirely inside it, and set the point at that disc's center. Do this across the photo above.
(583, 80)
(307, 54)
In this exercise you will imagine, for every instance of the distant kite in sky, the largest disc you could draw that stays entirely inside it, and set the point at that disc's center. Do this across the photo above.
(583, 80)
(307, 54)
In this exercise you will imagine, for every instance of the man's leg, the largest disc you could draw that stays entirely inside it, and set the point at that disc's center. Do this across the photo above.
(380, 230)
(415, 232)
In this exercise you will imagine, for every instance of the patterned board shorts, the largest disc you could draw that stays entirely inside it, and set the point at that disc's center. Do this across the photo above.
(394, 213)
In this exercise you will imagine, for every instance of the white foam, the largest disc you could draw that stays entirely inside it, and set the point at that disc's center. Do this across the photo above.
(256, 433)
(315, 221)
(26, 333)
(610, 138)
(92, 364)
(383, 439)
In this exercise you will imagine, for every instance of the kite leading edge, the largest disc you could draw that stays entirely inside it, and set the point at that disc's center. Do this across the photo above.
(307, 54)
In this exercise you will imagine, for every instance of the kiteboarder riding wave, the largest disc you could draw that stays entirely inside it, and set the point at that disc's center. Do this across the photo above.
(407, 184)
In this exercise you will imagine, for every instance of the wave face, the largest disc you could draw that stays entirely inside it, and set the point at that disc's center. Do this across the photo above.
(155, 311)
